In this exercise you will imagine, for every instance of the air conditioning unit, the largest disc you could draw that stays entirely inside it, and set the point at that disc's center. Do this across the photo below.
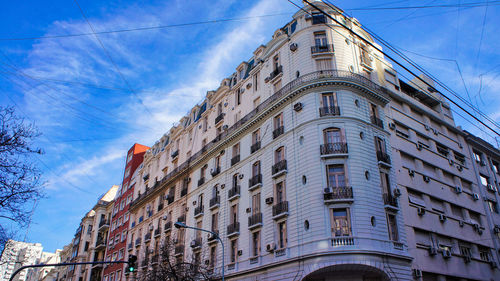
(411, 172)
(248, 210)
(417, 273)
(392, 126)
(442, 218)
(420, 211)
(269, 200)
(240, 252)
(458, 189)
(293, 47)
(397, 192)
(433, 251)
(475, 196)
(446, 254)
(270, 247)
(426, 179)
(420, 146)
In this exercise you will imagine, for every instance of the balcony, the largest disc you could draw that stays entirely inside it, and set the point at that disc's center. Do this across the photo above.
(275, 73)
(157, 232)
(255, 182)
(196, 243)
(100, 243)
(137, 242)
(103, 224)
(235, 160)
(338, 194)
(233, 193)
(333, 149)
(198, 211)
(342, 241)
(280, 210)
(329, 111)
(384, 158)
(181, 218)
(184, 191)
(215, 171)
(175, 154)
(179, 250)
(214, 202)
(160, 207)
(279, 168)
(168, 226)
(233, 229)
(255, 147)
(201, 181)
(147, 237)
(320, 49)
(377, 121)
(255, 221)
(278, 131)
(390, 202)
(219, 118)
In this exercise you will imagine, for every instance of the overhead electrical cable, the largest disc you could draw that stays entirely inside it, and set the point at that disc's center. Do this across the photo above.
(471, 4)
(392, 59)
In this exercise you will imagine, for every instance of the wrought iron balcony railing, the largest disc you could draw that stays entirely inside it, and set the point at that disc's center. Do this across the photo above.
(333, 148)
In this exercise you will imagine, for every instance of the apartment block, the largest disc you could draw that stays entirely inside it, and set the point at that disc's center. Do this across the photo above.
(117, 221)
(17, 254)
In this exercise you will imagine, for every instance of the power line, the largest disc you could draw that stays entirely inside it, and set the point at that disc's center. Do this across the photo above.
(392, 59)
(390, 47)
(141, 28)
(472, 4)
(111, 59)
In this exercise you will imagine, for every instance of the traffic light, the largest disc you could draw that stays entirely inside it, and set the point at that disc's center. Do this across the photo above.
(131, 263)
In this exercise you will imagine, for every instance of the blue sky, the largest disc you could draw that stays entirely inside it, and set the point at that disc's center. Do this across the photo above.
(70, 88)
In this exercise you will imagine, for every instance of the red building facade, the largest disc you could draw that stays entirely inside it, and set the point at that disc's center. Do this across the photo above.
(116, 248)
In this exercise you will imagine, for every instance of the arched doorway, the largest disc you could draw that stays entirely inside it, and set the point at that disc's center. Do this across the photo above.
(347, 272)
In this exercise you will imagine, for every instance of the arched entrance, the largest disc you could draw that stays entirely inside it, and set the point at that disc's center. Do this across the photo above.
(347, 272)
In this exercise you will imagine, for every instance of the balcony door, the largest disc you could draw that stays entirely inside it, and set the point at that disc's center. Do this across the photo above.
(256, 204)
(340, 222)
(280, 192)
(256, 169)
(380, 144)
(336, 177)
(333, 135)
(279, 155)
(329, 100)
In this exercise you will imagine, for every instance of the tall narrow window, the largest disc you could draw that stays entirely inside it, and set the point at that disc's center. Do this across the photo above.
(215, 222)
(213, 256)
(234, 214)
(256, 168)
(385, 182)
(320, 39)
(236, 150)
(203, 171)
(256, 102)
(329, 100)
(380, 144)
(280, 192)
(234, 250)
(276, 62)
(217, 161)
(392, 227)
(238, 97)
(235, 180)
(278, 121)
(205, 124)
(282, 236)
(256, 244)
(332, 135)
(200, 200)
(336, 176)
(365, 56)
(256, 136)
(341, 222)
(256, 203)
(256, 78)
(324, 64)
(279, 155)
(219, 108)
(374, 110)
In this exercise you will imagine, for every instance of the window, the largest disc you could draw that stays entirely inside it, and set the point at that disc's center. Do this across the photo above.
(282, 237)
(329, 99)
(129, 157)
(441, 149)
(280, 192)
(380, 144)
(203, 142)
(203, 171)
(492, 206)
(484, 254)
(465, 251)
(256, 169)
(278, 121)
(118, 275)
(205, 124)
(320, 39)
(279, 155)
(392, 227)
(200, 200)
(256, 203)
(459, 157)
(234, 250)
(276, 62)
(114, 256)
(276, 86)
(256, 102)
(124, 236)
(238, 97)
(385, 182)
(477, 156)
(365, 56)
(318, 18)
(495, 167)
(235, 180)
(217, 161)
(332, 135)
(335, 176)
(391, 77)
(484, 180)
(256, 136)
(234, 214)
(127, 172)
(256, 78)
(236, 150)
(215, 222)
(374, 110)
(219, 108)
(126, 216)
(324, 64)
(213, 256)
(256, 244)
(121, 254)
(341, 222)
(86, 248)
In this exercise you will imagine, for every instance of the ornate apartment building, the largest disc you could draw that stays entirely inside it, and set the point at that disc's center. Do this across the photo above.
(17, 254)
(117, 223)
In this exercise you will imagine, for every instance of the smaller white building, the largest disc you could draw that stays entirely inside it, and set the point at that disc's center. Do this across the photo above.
(17, 254)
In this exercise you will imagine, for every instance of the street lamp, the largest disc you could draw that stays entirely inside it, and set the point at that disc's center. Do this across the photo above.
(215, 235)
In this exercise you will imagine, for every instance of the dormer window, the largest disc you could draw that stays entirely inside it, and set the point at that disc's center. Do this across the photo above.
(318, 18)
